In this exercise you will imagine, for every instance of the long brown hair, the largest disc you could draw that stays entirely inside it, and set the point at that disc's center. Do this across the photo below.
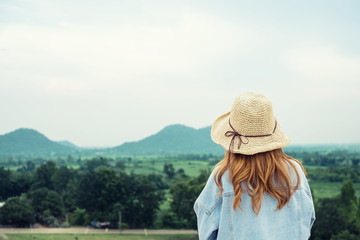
(259, 173)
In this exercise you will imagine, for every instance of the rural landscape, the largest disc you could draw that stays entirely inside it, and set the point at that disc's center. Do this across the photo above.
(107, 109)
(150, 184)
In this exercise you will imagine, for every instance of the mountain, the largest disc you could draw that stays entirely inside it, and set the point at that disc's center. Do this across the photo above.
(29, 142)
(68, 144)
(173, 139)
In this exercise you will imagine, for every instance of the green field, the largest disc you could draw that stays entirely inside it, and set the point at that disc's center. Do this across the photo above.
(330, 189)
(191, 167)
(98, 237)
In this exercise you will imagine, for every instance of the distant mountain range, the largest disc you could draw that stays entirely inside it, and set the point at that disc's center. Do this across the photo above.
(29, 142)
(173, 139)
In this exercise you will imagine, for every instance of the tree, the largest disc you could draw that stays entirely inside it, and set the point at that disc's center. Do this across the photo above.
(184, 194)
(5, 185)
(20, 183)
(169, 170)
(70, 159)
(43, 176)
(68, 196)
(16, 212)
(344, 235)
(79, 217)
(53, 203)
(330, 221)
(46, 203)
(120, 165)
(99, 190)
(113, 216)
(143, 198)
(91, 165)
(61, 177)
(157, 179)
(28, 166)
(348, 202)
(103, 193)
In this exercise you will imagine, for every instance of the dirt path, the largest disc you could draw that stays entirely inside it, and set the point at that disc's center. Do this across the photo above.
(92, 231)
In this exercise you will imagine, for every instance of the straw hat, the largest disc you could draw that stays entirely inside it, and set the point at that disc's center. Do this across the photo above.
(250, 127)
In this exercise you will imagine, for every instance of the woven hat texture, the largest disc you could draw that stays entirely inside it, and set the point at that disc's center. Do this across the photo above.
(252, 117)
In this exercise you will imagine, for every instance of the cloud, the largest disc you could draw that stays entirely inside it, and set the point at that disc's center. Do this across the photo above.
(167, 63)
(324, 64)
(120, 55)
(67, 86)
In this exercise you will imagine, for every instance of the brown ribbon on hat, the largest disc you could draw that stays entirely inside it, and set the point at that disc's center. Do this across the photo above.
(235, 134)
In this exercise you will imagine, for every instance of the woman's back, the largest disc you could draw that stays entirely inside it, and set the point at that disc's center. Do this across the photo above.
(218, 220)
(256, 192)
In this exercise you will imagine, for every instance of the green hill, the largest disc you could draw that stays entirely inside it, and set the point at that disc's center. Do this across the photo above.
(29, 142)
(68, 144)
(172, 139)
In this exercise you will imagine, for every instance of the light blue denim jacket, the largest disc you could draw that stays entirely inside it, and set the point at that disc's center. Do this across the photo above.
(217, 219)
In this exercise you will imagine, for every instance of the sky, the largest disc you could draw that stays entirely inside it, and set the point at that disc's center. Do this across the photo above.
(101, 73)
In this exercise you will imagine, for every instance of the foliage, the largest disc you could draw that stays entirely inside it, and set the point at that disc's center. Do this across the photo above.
(120, 165)
(46, 203)
(335, 174)
(16, 211)
(339, 213)
(43, 176)
(327, 215)
(345, 235)
(169, 170)
(79, 217)
(61, 177)
(100, 188)
(184, 194)
(347, 155)
(69, 196)
(91, 165)
(103, 236)
(5, 185)
(20, 183)
(142, 198)
(347, 201)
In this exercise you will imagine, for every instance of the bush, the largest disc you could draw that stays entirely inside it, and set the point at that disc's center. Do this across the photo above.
(16, 212)
(344, 235)
(65, 225)
(79, 217)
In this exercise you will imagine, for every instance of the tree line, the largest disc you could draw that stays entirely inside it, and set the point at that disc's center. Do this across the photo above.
(337, 157)
(97, 191)
(338, 218)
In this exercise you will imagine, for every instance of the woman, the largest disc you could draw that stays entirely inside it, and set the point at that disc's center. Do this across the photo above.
(256, 192)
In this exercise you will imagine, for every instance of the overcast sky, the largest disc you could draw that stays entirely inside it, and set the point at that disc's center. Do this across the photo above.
(100, 73)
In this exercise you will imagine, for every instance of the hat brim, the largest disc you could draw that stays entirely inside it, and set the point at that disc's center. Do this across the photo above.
(250, 145)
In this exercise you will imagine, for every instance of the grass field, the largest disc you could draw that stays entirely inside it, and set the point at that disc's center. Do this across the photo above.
(330, 189)
(191, 168)
(98, 237)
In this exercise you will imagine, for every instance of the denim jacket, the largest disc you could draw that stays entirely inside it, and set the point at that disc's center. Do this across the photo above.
(217, 219)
